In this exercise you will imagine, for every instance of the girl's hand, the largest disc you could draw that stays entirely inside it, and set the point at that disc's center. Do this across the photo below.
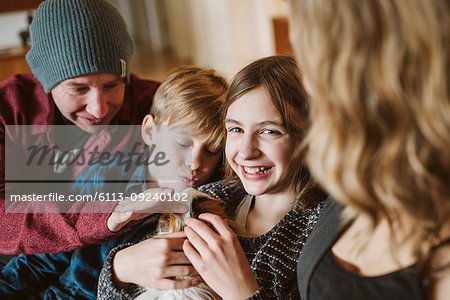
(218, 257)
(154, 262)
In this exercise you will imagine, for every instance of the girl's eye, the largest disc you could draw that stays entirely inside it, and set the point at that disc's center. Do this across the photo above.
(270, 131)
(235, 129)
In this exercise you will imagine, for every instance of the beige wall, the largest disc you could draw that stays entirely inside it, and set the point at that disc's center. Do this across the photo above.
(222, 34)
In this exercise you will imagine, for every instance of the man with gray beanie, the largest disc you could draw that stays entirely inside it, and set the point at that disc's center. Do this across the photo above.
(80, 56)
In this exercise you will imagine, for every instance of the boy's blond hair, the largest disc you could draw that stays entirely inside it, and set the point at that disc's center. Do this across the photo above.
(193, 96)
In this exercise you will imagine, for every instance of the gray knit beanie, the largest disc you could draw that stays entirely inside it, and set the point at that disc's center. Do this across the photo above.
(70, 38)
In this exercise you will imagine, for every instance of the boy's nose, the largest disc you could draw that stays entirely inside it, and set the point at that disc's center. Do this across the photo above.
(196, 161)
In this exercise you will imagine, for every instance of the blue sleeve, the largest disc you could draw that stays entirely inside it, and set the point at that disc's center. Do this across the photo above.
(65, 273)
(28, 274)
(31, 274)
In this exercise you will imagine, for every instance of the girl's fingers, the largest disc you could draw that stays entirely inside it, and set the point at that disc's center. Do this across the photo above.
(218, 223)
(192, 254)
(201, 228)
(195, 239)
(220, 231)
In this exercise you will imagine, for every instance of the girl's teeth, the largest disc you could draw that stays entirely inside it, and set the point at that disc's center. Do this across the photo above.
(261, 170)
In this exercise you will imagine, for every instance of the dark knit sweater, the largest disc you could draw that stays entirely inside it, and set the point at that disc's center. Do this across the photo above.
(273, 256)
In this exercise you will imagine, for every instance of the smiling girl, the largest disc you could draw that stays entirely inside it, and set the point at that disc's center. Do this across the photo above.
(264, 115)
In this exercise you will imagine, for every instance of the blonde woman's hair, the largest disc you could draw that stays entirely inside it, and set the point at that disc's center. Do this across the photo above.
(280, 77)
(380, 133)
(194, 96)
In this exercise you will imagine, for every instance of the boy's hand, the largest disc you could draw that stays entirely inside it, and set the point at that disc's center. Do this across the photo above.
(117, 220)
(154, 200)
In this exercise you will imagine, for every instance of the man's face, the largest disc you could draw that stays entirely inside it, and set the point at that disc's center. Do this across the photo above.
(90, 100)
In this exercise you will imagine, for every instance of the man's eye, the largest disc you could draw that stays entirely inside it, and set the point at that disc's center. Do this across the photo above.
(111, 86)
(81, 89)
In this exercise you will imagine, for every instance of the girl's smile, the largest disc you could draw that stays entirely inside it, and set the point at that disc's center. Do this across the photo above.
(258, 147)
(256, 173)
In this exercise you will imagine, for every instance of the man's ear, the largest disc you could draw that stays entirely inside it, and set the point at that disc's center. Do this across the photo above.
(146, 128)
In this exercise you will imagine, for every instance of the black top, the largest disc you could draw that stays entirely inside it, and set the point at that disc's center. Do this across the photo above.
(322, 277)
(331, 281)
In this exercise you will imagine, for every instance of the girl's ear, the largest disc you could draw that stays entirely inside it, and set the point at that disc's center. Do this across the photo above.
(146, 128)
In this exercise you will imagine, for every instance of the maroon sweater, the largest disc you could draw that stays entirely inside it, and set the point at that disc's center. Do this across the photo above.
(24, 102)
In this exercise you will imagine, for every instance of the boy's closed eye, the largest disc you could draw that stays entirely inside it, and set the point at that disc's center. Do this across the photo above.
(211, 151)
(184, 144)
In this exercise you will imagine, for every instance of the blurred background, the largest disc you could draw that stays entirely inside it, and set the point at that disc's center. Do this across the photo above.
(221, 34)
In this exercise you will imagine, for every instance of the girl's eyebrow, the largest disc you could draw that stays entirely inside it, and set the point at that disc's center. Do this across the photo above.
(262, 123)
(232, 121)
